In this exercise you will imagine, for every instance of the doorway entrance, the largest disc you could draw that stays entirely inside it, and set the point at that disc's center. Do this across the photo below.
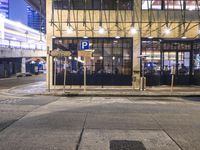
(181, 61)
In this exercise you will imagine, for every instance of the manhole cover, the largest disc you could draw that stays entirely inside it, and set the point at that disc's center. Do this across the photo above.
(126, 145)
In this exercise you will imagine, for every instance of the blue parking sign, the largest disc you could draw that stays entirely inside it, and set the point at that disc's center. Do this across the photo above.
(85, 45)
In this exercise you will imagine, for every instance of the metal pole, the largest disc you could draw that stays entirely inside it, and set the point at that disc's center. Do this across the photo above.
(142, 74)
(172, 83)
(55, 73)
(48, 63)
(85, 73)
(65, 73)
(173, 71)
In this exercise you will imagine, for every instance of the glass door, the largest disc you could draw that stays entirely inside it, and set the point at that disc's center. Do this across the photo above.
(183, 68)
(181, 61)
(168, 60)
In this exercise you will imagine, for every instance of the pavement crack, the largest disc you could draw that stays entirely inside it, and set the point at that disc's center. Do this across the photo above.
(81, 134)
(179, 146)
(11, 123)
(160, 126)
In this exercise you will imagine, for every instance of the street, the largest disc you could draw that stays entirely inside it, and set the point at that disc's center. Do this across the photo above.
(6, 83)
(99, 123)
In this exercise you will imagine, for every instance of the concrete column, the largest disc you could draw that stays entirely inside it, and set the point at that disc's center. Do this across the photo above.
(137, 44)
(23, 65)
(49, 29)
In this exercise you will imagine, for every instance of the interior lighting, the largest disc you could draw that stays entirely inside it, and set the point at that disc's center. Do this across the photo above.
(167, 30)
(117, 37)
(100, 57)
(184, 37)
(55, 59)
(69, 29)
(101, 30)
(133, 30)
(150, 37)
(85, 37)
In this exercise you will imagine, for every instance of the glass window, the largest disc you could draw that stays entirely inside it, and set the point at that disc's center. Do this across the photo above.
(152, 62)
(170, 4)
(111, 64)
(93, 4)
(109, 4)
(125, 4)
(150, 4)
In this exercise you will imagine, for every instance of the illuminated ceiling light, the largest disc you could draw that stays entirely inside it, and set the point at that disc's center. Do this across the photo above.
(85, 37)
(133, 30)
(69, 29)
(70, 57)
(167, 30)
(113, 58)
(53, 37)
(55, 59)
(101, 30)
(150, 37)
(100, 57)
(184, 37)
(117, 37)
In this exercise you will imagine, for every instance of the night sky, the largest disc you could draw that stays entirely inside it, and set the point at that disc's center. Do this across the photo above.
(18, 11)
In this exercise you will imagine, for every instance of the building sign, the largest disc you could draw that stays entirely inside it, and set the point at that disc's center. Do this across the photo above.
(85, 45)
(60, 53)
(87, 53)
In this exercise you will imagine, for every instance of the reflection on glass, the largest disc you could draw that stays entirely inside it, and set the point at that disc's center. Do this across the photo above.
(111, 63)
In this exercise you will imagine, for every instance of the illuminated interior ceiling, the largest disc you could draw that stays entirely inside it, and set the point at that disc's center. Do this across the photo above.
(170, 4)
(15, 31)
(36, 4)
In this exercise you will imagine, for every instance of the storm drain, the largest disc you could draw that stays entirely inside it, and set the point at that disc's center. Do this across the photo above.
(126, 145)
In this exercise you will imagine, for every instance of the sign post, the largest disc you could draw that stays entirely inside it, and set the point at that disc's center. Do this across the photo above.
(143, 79)
(55, 54)
(55, 65)
(173, 71)
(85, 75)
(48, 62)
(65, 73)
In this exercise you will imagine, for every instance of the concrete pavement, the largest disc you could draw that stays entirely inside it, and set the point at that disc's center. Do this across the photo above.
(39, 88)
(88, 123)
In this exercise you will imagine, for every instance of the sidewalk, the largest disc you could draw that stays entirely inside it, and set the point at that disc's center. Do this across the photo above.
(39, 88)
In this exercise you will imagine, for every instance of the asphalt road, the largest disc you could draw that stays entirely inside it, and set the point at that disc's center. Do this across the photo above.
(6, 83)
(93, 123)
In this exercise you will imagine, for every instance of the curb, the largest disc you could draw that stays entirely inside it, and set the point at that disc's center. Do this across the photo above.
(117, 95)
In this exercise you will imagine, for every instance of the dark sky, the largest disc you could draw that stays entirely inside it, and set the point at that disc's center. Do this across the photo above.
(18, 11)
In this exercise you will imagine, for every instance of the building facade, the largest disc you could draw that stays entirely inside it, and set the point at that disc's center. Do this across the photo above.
(120, 32)
(35, 20)
(4, 8)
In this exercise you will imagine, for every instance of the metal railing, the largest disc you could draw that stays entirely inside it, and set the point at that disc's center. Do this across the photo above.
(22, 45)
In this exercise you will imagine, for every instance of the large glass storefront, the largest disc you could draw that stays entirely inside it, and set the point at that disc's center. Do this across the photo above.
(111, 63)
(163, 54)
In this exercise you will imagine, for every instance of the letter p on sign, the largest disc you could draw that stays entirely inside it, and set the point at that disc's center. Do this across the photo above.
(84, 45)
